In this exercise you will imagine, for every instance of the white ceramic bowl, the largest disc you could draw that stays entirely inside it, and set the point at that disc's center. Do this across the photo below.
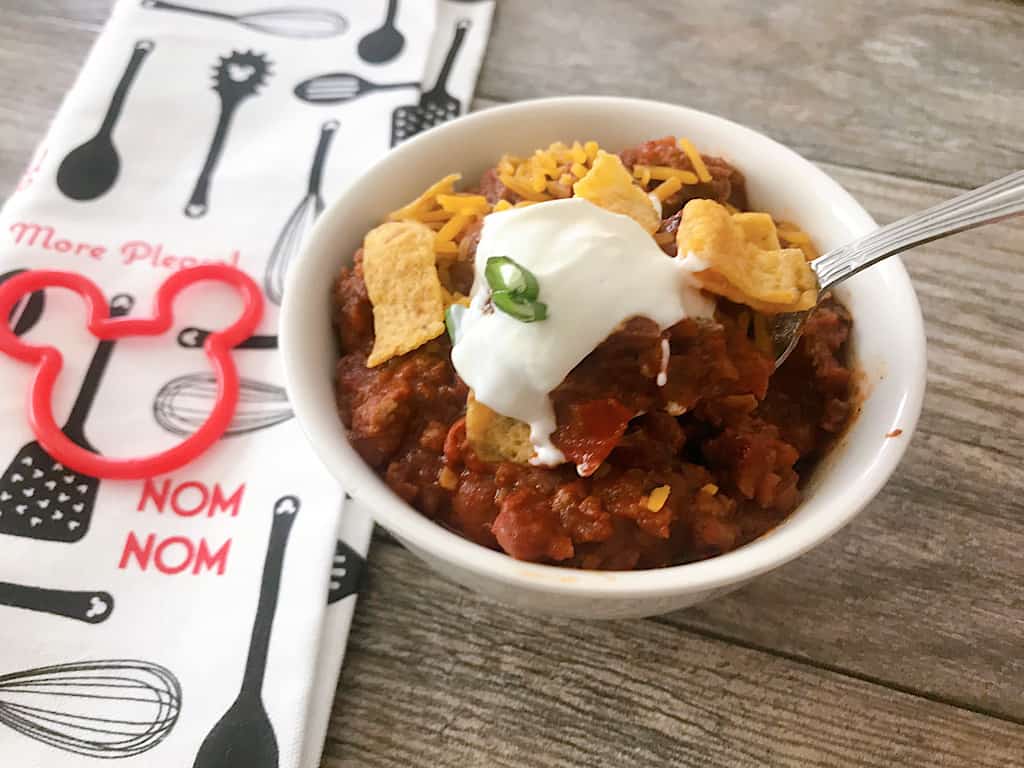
(888, 343)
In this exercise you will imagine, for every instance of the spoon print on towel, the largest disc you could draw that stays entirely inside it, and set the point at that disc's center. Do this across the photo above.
(293, 234)
(39, 497)
(385, 42)
(236, 78)
(184, 403)
(100, 709)
(90, 607)
(309, 23)
(342, 87)
(90, 170)
(26, 313)
(436, 105)
(244, 736)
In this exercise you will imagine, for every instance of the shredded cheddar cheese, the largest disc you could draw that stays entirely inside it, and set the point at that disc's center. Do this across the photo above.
(549, 173)
(658, 498)
(710, 488)
(667, 188)
(663, 172)
(696, 160)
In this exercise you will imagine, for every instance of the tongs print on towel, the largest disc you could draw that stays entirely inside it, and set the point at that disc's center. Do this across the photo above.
(62, 449)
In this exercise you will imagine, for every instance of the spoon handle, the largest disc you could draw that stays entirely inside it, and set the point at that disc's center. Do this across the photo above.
(993, 202)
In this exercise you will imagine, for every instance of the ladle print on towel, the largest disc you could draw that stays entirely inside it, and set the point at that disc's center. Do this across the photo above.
(284, 22)
(40, 498)
(184, 403)
(90, 607)
(236, 78)
(294, 232)
(65, 456)
(385, 42)
(101, 709)
(91, 169)
(244, 736)
(436, 105)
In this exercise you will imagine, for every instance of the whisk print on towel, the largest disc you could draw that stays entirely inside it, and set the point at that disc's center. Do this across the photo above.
(307, 23)
(244, 736)
(184, 403)
(236, 78)
(103, 709)
(295, 229)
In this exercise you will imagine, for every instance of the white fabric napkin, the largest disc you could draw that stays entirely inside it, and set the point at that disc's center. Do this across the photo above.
(185, 620)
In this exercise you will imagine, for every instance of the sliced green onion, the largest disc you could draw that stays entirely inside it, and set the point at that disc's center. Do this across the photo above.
(503, 274)
(522, 310)
(453, 321)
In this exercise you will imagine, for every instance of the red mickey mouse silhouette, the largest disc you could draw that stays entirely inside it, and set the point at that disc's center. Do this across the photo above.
(49, 361)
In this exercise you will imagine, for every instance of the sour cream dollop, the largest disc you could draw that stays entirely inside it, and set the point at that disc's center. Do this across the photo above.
(596, 269)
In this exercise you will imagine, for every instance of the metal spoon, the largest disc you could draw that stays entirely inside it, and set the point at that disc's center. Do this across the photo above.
(993, 202)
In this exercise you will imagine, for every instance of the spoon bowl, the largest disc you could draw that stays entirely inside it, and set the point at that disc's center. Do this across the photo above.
(995, 201)
(90, 169)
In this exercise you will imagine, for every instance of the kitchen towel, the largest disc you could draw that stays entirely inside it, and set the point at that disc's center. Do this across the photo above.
(198, 618)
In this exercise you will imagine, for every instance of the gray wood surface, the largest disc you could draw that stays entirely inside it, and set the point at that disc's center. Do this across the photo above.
(898, 642)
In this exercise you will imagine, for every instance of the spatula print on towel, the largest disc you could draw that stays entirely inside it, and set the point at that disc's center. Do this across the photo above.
(41, 498)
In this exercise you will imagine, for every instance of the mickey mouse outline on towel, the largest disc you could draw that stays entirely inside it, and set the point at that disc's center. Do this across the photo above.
(297, 22)
(89, 170)
(236, 77)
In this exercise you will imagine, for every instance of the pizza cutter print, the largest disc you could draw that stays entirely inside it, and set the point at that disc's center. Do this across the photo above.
(244, 736)
(436, 105)
(90, 607)
(41, 498)
(309, 23)
(236, 78)
(91, 169)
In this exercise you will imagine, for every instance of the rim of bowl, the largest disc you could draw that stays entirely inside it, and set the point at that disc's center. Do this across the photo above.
(786, 542)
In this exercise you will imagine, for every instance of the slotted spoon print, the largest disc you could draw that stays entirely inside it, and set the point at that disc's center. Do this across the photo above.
(309, 23)
(236, 78)
(39, 497)
(100, 709)
(436, 105)
(294, 231)
(342, 87)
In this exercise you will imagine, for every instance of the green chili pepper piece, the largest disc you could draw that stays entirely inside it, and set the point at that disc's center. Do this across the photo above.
(504, 274)
(524, 311)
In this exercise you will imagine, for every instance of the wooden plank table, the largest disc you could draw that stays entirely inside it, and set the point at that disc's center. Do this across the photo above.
(898, 642)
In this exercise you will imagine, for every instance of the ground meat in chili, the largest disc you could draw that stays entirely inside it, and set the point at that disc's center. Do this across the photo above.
(732, 440)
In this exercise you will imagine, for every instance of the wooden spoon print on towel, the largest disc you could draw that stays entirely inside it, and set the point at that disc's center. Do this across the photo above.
(90, 170)
(39, 497)
(244, 736)
(236, 78)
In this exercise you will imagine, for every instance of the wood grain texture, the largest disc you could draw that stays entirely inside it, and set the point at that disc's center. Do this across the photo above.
(436, 677)
(869, 650)
(929, 89)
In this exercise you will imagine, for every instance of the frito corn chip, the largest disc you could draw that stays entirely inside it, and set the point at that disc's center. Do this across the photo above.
(609, 185)
(768, 279)
(427, 201)
(399, 267)
(495, 437)
(759, 230)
